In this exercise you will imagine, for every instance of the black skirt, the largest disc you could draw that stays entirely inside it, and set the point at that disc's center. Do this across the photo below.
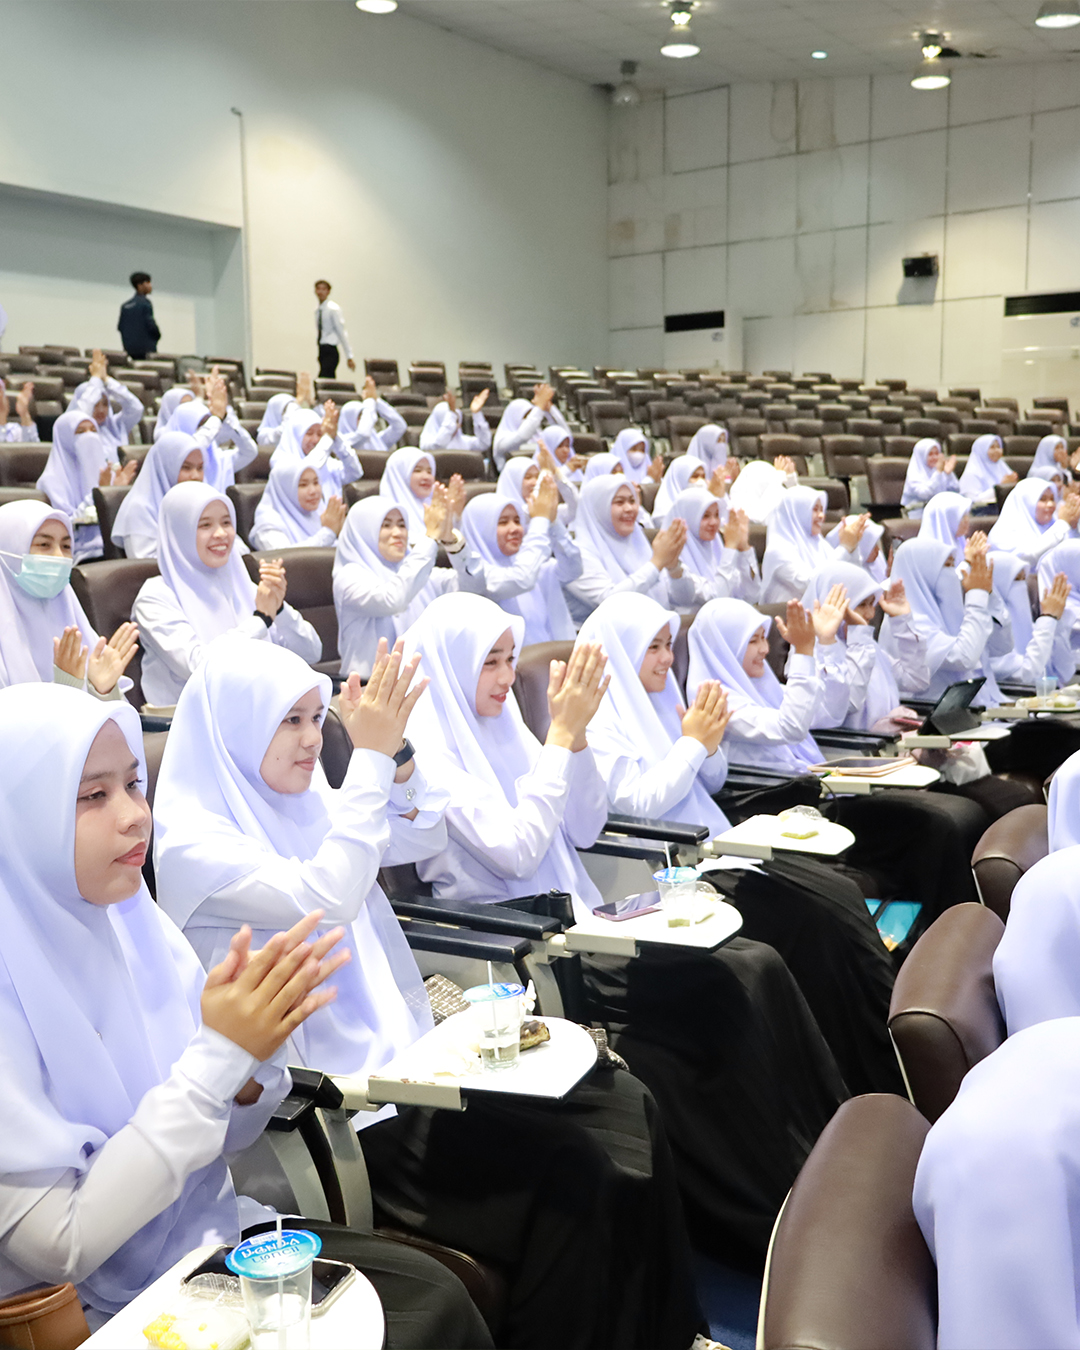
(744, 1080)
(574, 1201)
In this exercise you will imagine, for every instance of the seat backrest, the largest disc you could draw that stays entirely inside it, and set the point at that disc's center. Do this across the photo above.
(660, 411)
(245, 497)
(309, 574)
(944, 1015)
(23, 463)
(258, 471)
(531, 683)
(107, 590)
(108, 500)
(845, 455)
(468, 463)
(585, 443)
(21, 494)
(778, 647)
(608, 417)
(682, 430)
(1011, 845)
(848, 1268)
(886, 478)
(382, 371)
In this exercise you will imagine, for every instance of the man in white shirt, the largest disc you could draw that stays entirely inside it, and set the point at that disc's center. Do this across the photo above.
(330, 329)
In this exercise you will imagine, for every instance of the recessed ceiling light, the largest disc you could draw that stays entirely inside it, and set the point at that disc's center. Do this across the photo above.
(931, 75)
(1058, 14)
(680, 43)
(377, 6)
(819, 56)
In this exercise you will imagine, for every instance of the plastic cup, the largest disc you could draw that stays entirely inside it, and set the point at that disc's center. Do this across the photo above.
(1045, 686)
(677, 886)
(275, 1279)
(497, 1015)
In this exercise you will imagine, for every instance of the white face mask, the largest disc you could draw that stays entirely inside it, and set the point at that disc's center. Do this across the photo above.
(636, 457)
(89, 443)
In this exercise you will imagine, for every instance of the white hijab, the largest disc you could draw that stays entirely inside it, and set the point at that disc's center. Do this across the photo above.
(139, 511)
(701, 558)
(982, 473)
(276, 409)
(97, 1002)
(543, 608)
(882, 691)
(1037, 963)
(632, 439)
(395, 485)
(213, 599)
(112, 431)
(871, 536)
(631, 722)
(472, 755)
(718, 639)
(710, 444)
(602, 548)
(758, 490)
(510, 483)
(1063, 809)
(789, 537)
(75, 463)
(602, 465)
(28, 625)
(941, 521)
(675, 480)
(1016, 529)
(1044, 455)
(518, 409)
(279, 507)
(919, 479)
(170, 401)
(1064, 558)
(217, 821)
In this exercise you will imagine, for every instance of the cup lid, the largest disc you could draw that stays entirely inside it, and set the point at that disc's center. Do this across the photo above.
(270, 1257)
(673, 875)
(482, 993)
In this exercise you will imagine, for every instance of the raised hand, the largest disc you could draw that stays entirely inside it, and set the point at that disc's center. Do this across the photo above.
(1056, 598)
(270, 594)
(370, 388)
(575, 688)
(22, 403)
(545, 460)
(258, 999)
(544, 503)
(437, 513)
(784, 464)
(1069, 510)
(333, 517)
(99, 367)
(455, 497)
(851, 531)
(1011, 477)
(980, 574)
(949, 465)
(69, 653)
(656, 469)
(799, 629)
(718, 483)
(829, 615)
(375, 715)
(543, 396)
(331, 413)
(479, 401)
(737, 530)
(108, 661)
(124, 476)
(732, 468)
(217, 395)
(305, 389)
(195, 383)
(707, 718)
(668, 545)
(895, 602)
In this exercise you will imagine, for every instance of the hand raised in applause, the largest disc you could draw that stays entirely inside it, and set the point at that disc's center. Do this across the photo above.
(798, 632)
(575, 688)
(829, 614)
(707, 717)
(375, 715)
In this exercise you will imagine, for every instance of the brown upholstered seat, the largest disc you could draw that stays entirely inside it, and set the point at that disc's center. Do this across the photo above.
(309, 575)
(530, 686)
(607, 417)
(681, 431)
(886, 478)
(1009, 847)
(848, 1267)
(258, 471)
(23, 463)
(468, 463)
(107, 501)
(245, 497)
(107, 590)
(21, 494)
(383, 372)
(944, 1015)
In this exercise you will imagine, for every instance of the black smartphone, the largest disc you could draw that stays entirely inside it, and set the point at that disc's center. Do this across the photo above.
(328, 1278)
(648, 902)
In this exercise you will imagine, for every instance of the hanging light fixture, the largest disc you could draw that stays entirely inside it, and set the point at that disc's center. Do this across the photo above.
(626, 94)
(1058, 14)
(931, 73)
(680, 43)
(377, 6)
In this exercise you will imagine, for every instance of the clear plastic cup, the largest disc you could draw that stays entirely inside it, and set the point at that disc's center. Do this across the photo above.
(1045, 686)
(677, 886)
(497, 1015)
(275, 1279)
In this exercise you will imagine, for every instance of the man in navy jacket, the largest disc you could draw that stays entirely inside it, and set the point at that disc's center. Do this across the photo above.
(138, 331)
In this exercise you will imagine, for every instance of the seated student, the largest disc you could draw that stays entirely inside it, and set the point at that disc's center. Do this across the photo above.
(684, 471)
(25, 429)
(291, 512)
(760, 487)
(272, 425)
(44, 634)
(312, 438)
(946, 519)
(170, 401)
(996, 1194)
(631, 448)
(742, 1105)
(867, 551)
(710, 444)
(873, 676)
(382, 582)
(615, 554)
(794, 546)
(78, 462)
(521, 422)
(248, 829)
(442, 430)
(522, 564)
(1032, 522)
(93, 398)
(717, 556)
(1052, 453)
(408, 481)
(929, 472)
(131, 1073)
(985, 470)
(1020, 649)
(359, 416)
(175, 458)
(950, 612)
(225, 444)
(567, 466)
(204, 591)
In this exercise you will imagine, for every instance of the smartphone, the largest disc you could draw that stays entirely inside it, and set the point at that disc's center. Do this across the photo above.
(648, 902)
(328, 1278)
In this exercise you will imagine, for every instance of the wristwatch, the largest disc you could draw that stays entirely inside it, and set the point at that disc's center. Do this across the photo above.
(405, 753)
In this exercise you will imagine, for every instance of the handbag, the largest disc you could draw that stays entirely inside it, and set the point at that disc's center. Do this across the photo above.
(43, 1319)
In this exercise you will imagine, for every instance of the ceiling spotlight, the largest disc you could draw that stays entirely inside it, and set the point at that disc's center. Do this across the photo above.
(931, 74)
(1058, 14)
(377, 6)
(680, 43)
(626, 94)
(819, 56)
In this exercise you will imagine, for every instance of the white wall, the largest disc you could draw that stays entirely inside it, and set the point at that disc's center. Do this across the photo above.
(793, 205)
(454, 195)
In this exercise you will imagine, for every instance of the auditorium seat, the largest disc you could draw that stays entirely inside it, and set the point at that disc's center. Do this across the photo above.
(661, 410)
(107, 500)
(1020, 445)
(744, 434)
(944, 1016)
(427, 381)
(245, 497)
(309, 574)
(871, 430)
(774, 444)
(585, 443)
(848, 1267)
(607, 417)
(898, 447)
(21, 494)
(681, 431)
(383, 372)
(23, 462)
(258, 471)
(968, 392)
(107, 590)
(834, 416)
(468, 463)
(413, 415)
(1029, 427)
(1011, 846)
(845, 456)
(886, 476)
(923, 426)
(361, 488)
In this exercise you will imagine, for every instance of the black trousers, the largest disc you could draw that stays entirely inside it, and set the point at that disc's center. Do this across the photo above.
(329, 356)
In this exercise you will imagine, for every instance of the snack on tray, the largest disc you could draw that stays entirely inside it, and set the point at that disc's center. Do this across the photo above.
(533, 1032)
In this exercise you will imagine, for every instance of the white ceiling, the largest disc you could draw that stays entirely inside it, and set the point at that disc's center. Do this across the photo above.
(743, 39)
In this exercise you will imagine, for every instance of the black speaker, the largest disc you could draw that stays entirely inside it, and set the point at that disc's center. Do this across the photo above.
(925, 265)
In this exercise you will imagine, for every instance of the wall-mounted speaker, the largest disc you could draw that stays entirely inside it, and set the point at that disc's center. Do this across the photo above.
(925, 265)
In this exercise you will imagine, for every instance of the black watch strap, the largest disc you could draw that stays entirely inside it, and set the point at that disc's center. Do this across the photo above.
(265, 617)
(405, 753)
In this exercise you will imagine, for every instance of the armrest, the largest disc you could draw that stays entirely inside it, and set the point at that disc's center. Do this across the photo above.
(316, 1087)
(154, 722)
(485, 918)
(1016, 690)
(665, 831)
(752, 775)
(447, 941)
(290, 1113)
(856, 740)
